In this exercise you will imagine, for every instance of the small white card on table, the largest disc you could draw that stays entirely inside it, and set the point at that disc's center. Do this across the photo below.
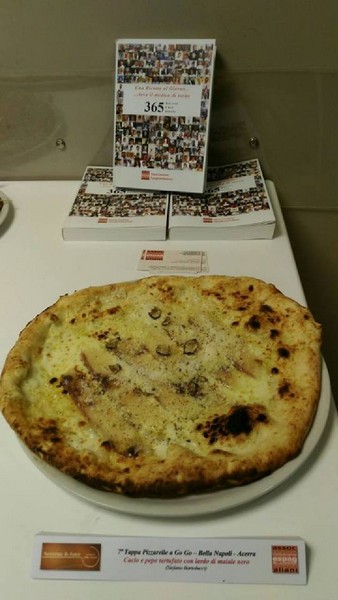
(178, 261)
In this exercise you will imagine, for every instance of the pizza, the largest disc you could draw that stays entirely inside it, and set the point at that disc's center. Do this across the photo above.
(166, 386)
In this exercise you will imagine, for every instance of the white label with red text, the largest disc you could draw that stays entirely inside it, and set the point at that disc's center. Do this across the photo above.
(207, 560)
(179, 261)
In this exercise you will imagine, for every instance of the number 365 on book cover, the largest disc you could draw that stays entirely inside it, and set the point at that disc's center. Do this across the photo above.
(163, 92)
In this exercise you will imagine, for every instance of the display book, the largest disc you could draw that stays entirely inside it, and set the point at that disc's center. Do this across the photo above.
(100, 212)
(235, 206)
(163, 92)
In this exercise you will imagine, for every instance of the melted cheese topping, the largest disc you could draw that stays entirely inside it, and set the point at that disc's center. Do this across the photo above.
(152, 366)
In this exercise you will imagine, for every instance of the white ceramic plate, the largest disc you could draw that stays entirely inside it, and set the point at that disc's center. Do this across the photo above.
(199, 504)
(4, 207)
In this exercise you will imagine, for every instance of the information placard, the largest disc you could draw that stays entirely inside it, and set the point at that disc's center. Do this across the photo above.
(204, 560)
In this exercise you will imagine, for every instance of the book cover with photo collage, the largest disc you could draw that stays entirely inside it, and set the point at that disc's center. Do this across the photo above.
(163, 92)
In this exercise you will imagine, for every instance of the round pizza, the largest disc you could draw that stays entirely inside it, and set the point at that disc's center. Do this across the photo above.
(166, 386)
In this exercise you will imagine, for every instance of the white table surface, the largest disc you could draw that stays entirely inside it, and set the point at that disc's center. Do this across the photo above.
(36, 267)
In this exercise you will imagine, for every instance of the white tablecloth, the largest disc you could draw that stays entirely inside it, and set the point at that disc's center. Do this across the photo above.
(36, 267)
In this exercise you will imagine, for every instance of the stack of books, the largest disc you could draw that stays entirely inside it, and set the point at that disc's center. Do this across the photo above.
(236, 205)
(159, 185)
(101, 212)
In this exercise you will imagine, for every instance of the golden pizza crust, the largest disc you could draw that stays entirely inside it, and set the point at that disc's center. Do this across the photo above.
(167, 385)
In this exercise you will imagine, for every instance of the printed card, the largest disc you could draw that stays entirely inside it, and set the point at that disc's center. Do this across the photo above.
(168, 261)
(204, 560)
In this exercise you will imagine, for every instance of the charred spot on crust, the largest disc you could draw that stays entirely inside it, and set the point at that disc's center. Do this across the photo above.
(284, 389)
(133, 452)
(71, 384)
(283, 352)
(274, 333)
(266, 308)
(251, 288)
(254, 322)
(108, 445)
(102, 335)
(51, 431)
(240, 420)
(53, 380)
(113, 310)
(215, 293)
(274, 370)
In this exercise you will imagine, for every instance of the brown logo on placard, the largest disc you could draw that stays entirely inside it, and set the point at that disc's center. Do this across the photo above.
(284, 559)
(145, 175)
(70, 557)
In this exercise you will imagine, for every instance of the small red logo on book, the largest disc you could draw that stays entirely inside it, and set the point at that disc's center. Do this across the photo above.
(207, 220)
(145, 175)
(284, 559)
